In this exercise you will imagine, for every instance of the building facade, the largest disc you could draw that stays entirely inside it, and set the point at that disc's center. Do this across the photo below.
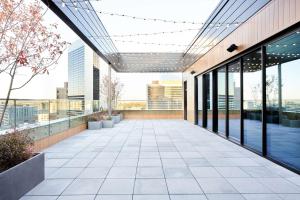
(62, 92)
(83, 77)
(250, 95)
(164, 95)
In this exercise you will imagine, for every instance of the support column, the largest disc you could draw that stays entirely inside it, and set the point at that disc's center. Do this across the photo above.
(109, 90)
(279, 94)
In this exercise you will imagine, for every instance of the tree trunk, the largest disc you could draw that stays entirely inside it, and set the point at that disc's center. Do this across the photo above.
(8, 95)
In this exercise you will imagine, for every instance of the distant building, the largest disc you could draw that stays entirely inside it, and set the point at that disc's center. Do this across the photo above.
(62, 92)
(83, 76)
(19, 115)
(164, 95)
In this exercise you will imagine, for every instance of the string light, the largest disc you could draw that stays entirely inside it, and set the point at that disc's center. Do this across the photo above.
(156, 19)
(147, 34)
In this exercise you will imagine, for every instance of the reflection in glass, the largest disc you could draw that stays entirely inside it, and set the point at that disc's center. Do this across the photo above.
(200, 99)
(221, 100)
(283, 100)
(209, 93)
(252, 104)
(234, 93)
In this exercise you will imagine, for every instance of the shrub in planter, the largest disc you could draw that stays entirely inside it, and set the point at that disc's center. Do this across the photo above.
(107, 122)
(15, 148)
(95, 122)
(21, 169)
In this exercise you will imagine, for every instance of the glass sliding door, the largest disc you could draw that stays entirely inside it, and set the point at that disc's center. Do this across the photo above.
(283, 100)
(252, 100)
(234, 100)
(200, 100)
(221, 76)
(208, 100)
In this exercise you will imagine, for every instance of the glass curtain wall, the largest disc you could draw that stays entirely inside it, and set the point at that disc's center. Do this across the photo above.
(234, 100)
(221, 76)
(252, 100)
(283, 100)
(200, 100)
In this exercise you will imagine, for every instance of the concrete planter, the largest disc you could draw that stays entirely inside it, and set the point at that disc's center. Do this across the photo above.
(295, 123)
(108, 123)
(20, 179)
(116, 118)
(94, 125)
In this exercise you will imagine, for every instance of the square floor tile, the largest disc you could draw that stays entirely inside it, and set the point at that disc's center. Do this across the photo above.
(94, 173)
(39, 198)
(149, 162)
(50, 187)
(178, 173)
(149, 172)
(122, 172)
(173, 163)
(66, 173)
(261, 197)
(215, 185)
(117, 186)
(150, 197)
(225, 197)
(126, 162)
(248, 185)
(150, 186)
(77, 197)
(279, 185)
(114, 197)
(232, 172)
(183, 186)
(83, 186)
(204, 172)
(188, 197)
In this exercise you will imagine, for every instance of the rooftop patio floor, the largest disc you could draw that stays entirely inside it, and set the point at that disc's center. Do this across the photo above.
(159, 160)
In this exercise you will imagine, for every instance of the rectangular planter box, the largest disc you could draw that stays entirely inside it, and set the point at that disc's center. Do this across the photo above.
(108, 123)
(94, 125)
(116, 118)
(20, 179)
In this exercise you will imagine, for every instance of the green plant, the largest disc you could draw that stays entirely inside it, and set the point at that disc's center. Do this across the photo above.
(15, 148)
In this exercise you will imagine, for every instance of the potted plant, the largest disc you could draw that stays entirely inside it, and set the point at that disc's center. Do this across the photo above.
(116, 117)
(20, 169)
(95, 122)
(107, 122)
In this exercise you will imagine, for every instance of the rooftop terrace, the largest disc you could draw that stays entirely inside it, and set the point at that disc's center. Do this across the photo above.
(159, 159)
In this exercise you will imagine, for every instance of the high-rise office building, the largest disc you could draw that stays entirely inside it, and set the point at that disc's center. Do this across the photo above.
(163, 95)
(83, 75)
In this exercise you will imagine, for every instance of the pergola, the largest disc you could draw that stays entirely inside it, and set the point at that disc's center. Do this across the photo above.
(83, 19)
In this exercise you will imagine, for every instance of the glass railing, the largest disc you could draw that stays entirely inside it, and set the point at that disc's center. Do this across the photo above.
(149, 105)
(42, 118)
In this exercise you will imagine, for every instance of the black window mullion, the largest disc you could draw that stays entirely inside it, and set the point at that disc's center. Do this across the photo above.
(215, 101)
(264, 116)
(226, 103)
(196, 100)
(241, 102)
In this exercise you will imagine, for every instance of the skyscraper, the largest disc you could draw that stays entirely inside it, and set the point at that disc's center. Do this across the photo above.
(62, 92)
(83, 75)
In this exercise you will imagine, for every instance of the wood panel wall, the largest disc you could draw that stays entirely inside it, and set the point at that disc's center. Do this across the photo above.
(274, 17)
(153, 114)
(42, 144)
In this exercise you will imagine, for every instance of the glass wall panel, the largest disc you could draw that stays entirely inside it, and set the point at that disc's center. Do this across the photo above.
(221, 73)
(283, 100)
(209, 96)
(252, 104)
(200, 101)
(234, 100)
